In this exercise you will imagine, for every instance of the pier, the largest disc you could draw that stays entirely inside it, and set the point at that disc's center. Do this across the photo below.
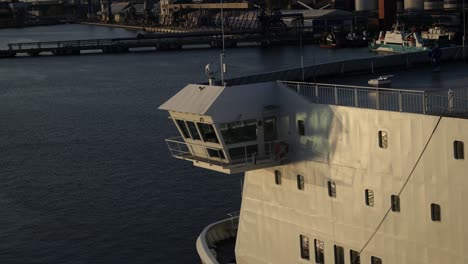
(156, 42)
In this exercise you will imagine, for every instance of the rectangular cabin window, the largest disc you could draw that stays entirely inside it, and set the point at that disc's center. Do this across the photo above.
(215, 153)
(208, 133)
(383, 139)
(269, 129)
(354, 257)
(304, 244)
(332, 189)
(369, 197)
(300, 182)
(458, 150)
(243, 152)
(339, 255)
(238, 132)
(436, 212)
(193, 130)
(395, 199)
(301, 127)
(183, 127)
(319, 251)
(375, 260)
(278, 177)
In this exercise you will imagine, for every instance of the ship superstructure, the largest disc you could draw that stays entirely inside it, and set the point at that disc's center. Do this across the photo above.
(333, 173)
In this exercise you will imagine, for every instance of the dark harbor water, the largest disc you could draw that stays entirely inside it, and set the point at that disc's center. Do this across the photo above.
(85, 176)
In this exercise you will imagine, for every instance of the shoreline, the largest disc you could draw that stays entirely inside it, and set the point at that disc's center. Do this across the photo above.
(137, 28)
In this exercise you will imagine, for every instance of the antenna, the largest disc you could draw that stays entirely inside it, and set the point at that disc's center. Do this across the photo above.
(221, 56)
(210, 72)
(301, 29)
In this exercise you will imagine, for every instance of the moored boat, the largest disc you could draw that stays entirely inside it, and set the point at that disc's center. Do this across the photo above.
(398, 40)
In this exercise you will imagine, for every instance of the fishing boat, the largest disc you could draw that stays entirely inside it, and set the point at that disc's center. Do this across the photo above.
(398, 40)
(438, 34)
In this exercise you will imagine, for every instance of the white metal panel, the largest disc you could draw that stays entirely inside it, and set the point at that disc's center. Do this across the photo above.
(341, 143)
(193, 99)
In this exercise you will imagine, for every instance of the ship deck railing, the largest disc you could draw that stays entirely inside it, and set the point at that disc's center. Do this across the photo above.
(453, 102)
(275, 152)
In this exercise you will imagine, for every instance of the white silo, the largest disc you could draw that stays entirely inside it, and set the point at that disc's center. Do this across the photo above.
(414, 5)
(433, 4)
(450, 4)
(399, 6)
(365, 5)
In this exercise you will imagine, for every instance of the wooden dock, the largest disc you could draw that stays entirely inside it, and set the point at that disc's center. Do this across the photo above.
(156, 42)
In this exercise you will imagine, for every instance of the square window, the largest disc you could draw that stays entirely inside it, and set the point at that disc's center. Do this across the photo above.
(332, 189)
(395, 199)
(376, 260)
(278, 177)
(208, 133)
(458, 150)
(215, 153)
(383, 139)
(300, 182)
(319, 251)
(436, 212)
(339, 255)
(369, 197)
(304, 244)
(354, 257)
(301, 127)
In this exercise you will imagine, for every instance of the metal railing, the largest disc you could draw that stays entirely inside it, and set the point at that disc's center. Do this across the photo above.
(248, 154)
(399, 100)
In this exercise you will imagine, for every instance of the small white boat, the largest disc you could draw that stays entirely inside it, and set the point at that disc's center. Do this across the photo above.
(382, 81)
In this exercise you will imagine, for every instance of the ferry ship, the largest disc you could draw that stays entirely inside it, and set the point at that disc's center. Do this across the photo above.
(333, 173)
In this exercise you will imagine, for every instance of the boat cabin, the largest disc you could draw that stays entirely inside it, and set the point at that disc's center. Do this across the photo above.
(226, 129)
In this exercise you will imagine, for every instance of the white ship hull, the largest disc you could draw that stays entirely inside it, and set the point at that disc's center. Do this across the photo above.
(342, 145)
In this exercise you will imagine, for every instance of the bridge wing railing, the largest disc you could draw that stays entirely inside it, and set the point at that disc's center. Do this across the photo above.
(412, 101)
(453, 102)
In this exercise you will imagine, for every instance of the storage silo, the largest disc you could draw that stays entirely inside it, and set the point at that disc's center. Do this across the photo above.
(433, 4)
(450, 4)
(365, 5)
(399, 6)
(414, 5)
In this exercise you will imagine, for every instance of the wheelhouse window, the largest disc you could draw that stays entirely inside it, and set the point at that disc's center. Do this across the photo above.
(339, 255)
(193, 130)
(354, 257)
(243, 153)
(301, 127)
(183, 128)
(319, 251)
(208, 133)
(278, 177)
(458, 150)
(238, 132)
(215, 153)
(300, 182)
(304, 244)
(269, 129)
